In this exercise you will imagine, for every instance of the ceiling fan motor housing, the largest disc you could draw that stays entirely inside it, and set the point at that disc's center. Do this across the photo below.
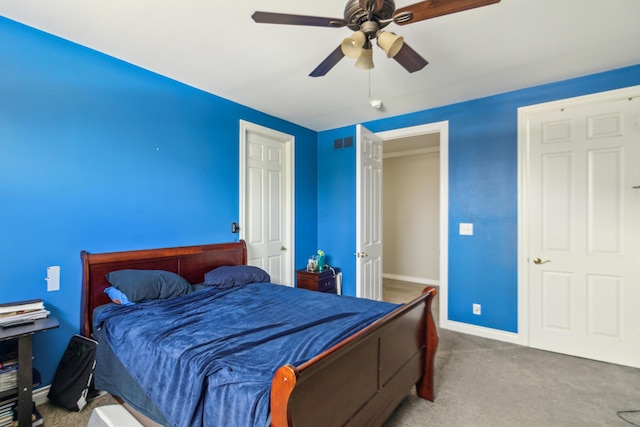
(356, 17)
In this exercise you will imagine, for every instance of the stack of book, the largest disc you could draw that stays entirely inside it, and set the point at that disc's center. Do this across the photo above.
(9, 386)
(6, 414)
(9, 416)
(9, 377)
(8, 371)
(22, 312)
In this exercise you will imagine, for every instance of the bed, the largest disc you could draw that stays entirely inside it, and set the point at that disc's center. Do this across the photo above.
(358, 379)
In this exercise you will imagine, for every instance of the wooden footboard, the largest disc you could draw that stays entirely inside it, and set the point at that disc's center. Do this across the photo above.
(364, 378)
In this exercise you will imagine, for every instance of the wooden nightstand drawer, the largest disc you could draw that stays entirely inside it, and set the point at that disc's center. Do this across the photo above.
(314, 281)
(327, 285)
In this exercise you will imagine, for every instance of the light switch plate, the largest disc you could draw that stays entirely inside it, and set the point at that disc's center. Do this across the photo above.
(53, 278)
(466, 229)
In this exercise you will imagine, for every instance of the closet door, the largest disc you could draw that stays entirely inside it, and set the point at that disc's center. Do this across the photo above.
(584, 229)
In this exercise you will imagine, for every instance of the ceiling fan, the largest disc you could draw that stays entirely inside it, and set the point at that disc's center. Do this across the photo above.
(367, 18)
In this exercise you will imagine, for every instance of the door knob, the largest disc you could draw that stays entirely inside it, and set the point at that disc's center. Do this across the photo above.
(361, 254)
(540, 261)
(282, 248)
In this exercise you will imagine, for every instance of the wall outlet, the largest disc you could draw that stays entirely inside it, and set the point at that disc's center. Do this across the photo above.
(466, 229)
(477, 309)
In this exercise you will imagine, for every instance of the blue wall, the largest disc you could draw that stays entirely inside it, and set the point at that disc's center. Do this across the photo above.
(337, 204)
(100, 155)
(482, 190)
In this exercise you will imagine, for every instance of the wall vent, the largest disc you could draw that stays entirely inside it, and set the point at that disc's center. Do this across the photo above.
(340, 143)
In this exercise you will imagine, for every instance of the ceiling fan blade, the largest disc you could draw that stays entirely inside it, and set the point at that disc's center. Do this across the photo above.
(410, 59)
(434, 8)
(329, 62)
(376, 5)
(286, 19)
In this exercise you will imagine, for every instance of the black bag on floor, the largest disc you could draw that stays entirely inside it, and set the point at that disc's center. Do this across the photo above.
(74, 376)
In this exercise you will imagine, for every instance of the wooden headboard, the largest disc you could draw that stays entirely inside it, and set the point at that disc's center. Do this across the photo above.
(190, 262)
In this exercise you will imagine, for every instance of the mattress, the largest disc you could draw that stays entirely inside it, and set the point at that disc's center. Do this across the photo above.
(211, 355)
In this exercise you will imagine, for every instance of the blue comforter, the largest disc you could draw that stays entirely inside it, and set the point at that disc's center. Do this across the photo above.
(208, 358)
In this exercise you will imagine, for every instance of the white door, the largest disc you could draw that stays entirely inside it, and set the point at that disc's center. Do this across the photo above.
(266, 200)
(584, 229)
(369, 214)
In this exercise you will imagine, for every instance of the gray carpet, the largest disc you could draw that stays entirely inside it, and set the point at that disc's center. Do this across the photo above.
(481, 382)
(54, 416)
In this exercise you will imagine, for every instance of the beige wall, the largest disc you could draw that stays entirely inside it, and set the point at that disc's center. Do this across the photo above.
(411, 220)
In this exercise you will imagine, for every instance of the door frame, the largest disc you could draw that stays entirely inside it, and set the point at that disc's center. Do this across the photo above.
(289, 163)
(443, 129)
(523, 195)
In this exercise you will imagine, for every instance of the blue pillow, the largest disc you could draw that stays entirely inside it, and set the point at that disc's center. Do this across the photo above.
(117, 296)
(142, 285)
(229, 276)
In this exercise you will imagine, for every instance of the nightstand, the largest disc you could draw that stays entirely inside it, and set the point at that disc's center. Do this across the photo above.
(24, 336)
(324, 281)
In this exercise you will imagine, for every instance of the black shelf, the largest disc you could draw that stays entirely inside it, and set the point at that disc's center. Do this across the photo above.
(11, 395)
(24, 336)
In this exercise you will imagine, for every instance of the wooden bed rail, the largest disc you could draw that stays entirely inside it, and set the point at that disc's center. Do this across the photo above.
(364, 378)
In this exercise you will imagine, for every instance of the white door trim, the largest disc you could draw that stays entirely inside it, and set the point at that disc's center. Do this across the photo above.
(523, 184)
(443, 129)
(289, 148)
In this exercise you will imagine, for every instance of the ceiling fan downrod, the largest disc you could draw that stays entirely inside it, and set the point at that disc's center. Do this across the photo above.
(370, 29)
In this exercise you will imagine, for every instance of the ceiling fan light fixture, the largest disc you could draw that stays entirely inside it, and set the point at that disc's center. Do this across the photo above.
(390, 43)
(352, 46)
(365, 60)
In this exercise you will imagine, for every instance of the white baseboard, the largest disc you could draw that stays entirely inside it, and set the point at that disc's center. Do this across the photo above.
(483, 332)
(465, 328)
(39, 395)
(420, 280)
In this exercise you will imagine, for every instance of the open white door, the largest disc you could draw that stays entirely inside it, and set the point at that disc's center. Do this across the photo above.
(368, 214)
(266, 200)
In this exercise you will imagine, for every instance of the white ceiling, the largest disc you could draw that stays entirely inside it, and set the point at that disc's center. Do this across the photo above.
(215, 46)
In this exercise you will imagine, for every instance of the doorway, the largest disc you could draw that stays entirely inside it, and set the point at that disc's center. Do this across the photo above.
(438, 136)
(411, 209)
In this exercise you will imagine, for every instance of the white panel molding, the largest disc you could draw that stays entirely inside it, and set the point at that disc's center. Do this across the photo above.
(605, 295)
(557, 292)
(605, 201)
